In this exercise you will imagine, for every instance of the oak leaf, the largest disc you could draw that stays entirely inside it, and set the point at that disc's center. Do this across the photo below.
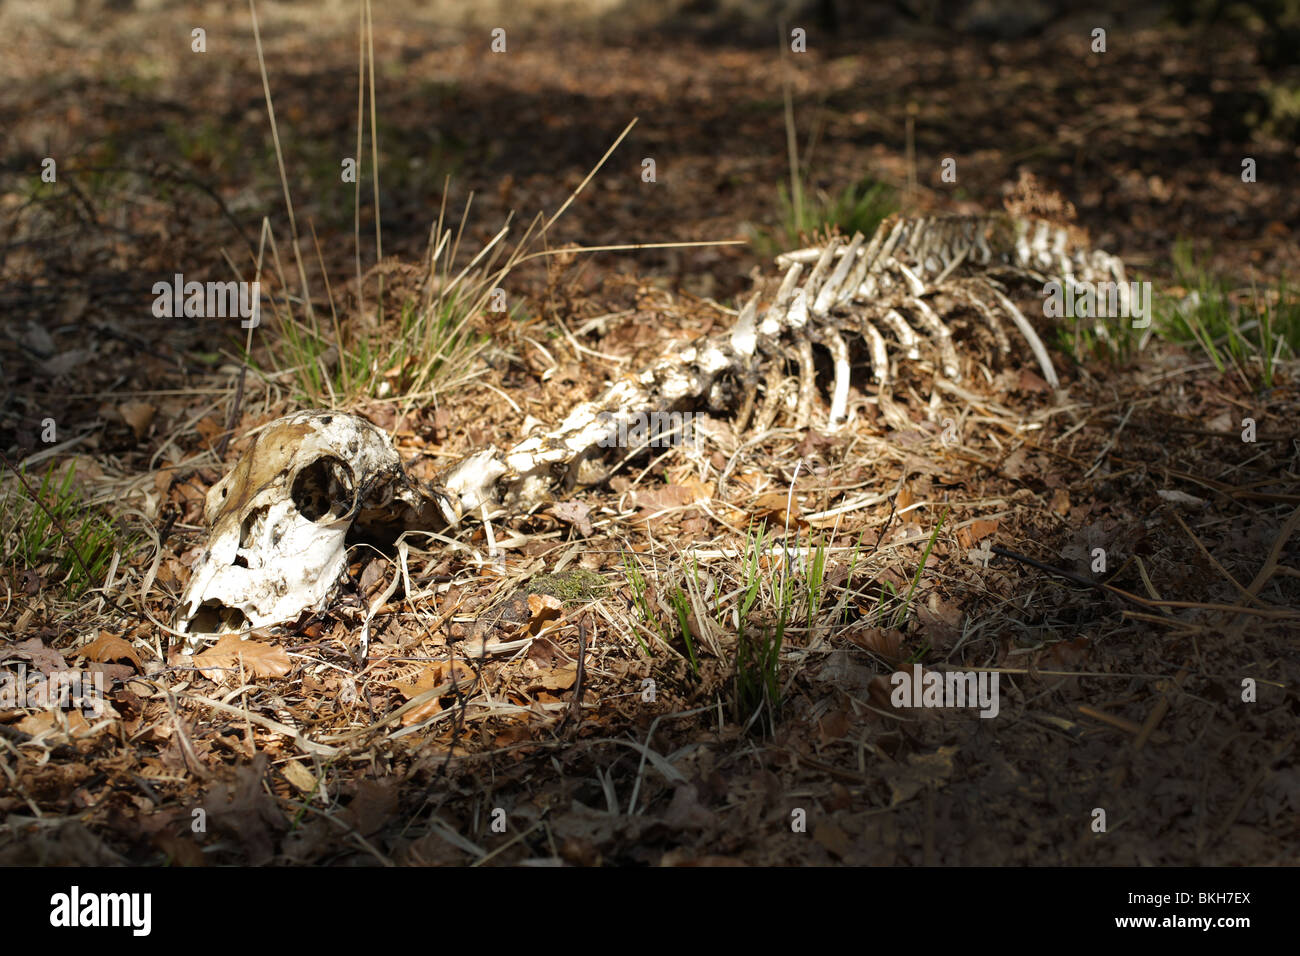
(107, 648)
(260, 660)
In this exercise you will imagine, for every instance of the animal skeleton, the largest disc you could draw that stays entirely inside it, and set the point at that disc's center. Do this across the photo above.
(881, 292)
(891, 293)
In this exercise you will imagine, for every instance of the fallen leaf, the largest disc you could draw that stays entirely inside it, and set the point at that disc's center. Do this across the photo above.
(430, 708)
(681, 857)
(20, 625)
(513, 734)
(139, 415)
(373, 807)
(299, 776)
(574, 513)
(436, 675)
(209, 430)
(107, 648)
(66, 361)
(426, 680)
(680, 495)
(1015, 464)
(1032, 382)
(113, 673)
(180, 850)
(57, 726)
(1067, 655)
(976, 531)
(542, 610)
(833, 839)
(1061, 502)
(261, 660)
(46, 659)
(1222, 422)
(922, 770)
(887, 642)
(562, 678)
(686, 812)
(1174, 496)
(163, 478)
(372, 576)
(773, 507)
(833, 726)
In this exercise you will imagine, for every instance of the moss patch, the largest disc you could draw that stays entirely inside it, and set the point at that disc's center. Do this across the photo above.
(572, 587)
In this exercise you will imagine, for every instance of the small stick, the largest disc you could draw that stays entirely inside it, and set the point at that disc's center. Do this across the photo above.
(1268, 613)
(1159, 710)
(1068, 575)
(1120, 723)
(575, 706)
(220, 450)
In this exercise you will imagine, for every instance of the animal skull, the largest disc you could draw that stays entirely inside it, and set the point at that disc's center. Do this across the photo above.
(278, 522)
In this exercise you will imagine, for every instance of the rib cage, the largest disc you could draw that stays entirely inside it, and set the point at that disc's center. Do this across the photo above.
(881, 292)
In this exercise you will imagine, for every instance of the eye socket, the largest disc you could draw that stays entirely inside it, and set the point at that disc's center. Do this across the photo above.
(323, 489)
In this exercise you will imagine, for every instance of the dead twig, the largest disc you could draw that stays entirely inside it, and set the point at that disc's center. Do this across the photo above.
(1269, 613)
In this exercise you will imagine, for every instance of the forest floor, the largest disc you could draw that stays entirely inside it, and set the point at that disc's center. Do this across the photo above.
(1153, 722)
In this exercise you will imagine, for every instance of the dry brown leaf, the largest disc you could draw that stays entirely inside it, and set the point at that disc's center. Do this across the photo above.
(542, 610)
(108, 648)
(1032, 382)
(1015, 465)
(426, 680)
(513, 734)
(922, 770)
(163, 477)
(437, 674)
(887, 642)
(46, 659)
(61, 726)
(976, 532)
(430, 708)
(209, 429)
(772, 507)
(664, 498)
(374, 805)
(261, 660)
(139, 415)
(575, 513)
(833, 839)
(180, 850)
(832, 727)
(562, 678)
(1061, 502)
(298, 775)
(735, 516)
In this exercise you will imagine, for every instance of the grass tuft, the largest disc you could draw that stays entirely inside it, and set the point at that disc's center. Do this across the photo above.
(1248, 332)
(30, 538)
